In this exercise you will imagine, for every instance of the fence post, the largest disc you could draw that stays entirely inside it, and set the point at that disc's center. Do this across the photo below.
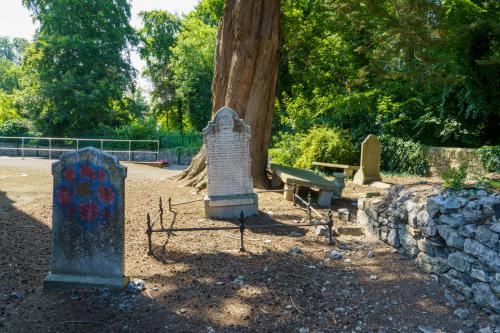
(157, 149)
(309, 207)
(242, 230)
(102, 145)
(149, 232)
(330, 227)
(50, 148)
(77, 144)
(129, 150)
(22, 147)
(161, 213)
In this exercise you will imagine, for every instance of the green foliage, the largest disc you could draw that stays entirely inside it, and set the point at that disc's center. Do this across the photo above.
(490, 157)
(455, 177)
(10, 74)
(326, 145)
(17, 127)
(179, 55)
(420, 70)
(7, 109)
(403, 156)
(158, 35)
(319, 144)
(75, 72)
(193, 69)
(286, 149)
(11, 49)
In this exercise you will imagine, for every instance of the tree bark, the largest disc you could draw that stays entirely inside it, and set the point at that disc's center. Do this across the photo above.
(245, 76)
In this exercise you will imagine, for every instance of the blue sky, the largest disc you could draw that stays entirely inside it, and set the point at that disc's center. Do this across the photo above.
(15, 20)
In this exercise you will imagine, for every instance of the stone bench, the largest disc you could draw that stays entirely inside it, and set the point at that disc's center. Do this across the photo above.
(327, 188)
(348, 169)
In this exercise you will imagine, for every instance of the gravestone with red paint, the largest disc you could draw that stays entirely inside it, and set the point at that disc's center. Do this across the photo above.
(88, 231)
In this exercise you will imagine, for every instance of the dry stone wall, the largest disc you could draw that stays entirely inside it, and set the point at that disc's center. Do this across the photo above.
(441, 159)
(452, 234)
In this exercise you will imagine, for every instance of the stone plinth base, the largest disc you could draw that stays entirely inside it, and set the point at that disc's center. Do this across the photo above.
(54, 282)
(230, 206)
(361, 178)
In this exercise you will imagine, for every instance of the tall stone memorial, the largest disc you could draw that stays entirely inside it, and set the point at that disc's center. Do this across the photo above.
(369, 167)
(88, 229)
(227, 153)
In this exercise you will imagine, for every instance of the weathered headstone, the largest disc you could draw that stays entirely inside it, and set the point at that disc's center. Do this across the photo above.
(369, 170)
(88, 230)
(227, 153)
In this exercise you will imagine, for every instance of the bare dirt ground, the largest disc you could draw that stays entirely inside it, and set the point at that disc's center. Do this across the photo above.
(200, 282)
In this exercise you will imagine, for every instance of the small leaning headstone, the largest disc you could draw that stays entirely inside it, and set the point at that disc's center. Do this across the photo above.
(88, 231)
(369, 167)
(227, 154)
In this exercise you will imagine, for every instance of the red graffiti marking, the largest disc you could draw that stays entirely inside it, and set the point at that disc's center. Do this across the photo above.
(63, 196)
(102, 175)
(107, 214)
(69, 175)
(106, 194)
(87, 171)
(88, 211)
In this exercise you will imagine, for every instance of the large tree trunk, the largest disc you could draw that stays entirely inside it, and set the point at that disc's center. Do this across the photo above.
(245, 75)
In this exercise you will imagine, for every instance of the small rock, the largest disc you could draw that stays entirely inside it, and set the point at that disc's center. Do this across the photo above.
(373, 277)
(486, 329)
(15, 295)
(347, 261)
(449, 298)
(295, 250)
(240, 280)
(295, 234)
(268, 241)
(105, 292)
(321, 230)
(344, 214)
(210, 329)
(427, 329)
(136, 285)
(289, 307)
(339, 309)
(335, 255)
(219, 283)
(461, 313)
(304, 330)
(370, 254)
(124, 306)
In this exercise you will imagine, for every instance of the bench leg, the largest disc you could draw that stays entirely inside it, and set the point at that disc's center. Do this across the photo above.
(288, 193)
(324, 198)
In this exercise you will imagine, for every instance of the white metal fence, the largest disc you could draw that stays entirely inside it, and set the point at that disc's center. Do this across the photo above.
(56, 146)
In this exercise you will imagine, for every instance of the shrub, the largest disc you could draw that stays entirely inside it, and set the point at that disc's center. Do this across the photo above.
(325, 144)
(455, 177)
(490, 157)
(286, 149)
(403, 156)
(17, 127)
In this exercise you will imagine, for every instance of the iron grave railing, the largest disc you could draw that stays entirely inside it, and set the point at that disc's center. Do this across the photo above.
(242, 224)
(54, 146)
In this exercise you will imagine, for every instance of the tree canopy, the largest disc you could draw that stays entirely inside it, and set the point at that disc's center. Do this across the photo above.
(77, 72)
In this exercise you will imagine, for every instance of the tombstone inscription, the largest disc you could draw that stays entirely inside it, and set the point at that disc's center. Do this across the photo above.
(227, 154)
(369, 167)
(88, 229)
